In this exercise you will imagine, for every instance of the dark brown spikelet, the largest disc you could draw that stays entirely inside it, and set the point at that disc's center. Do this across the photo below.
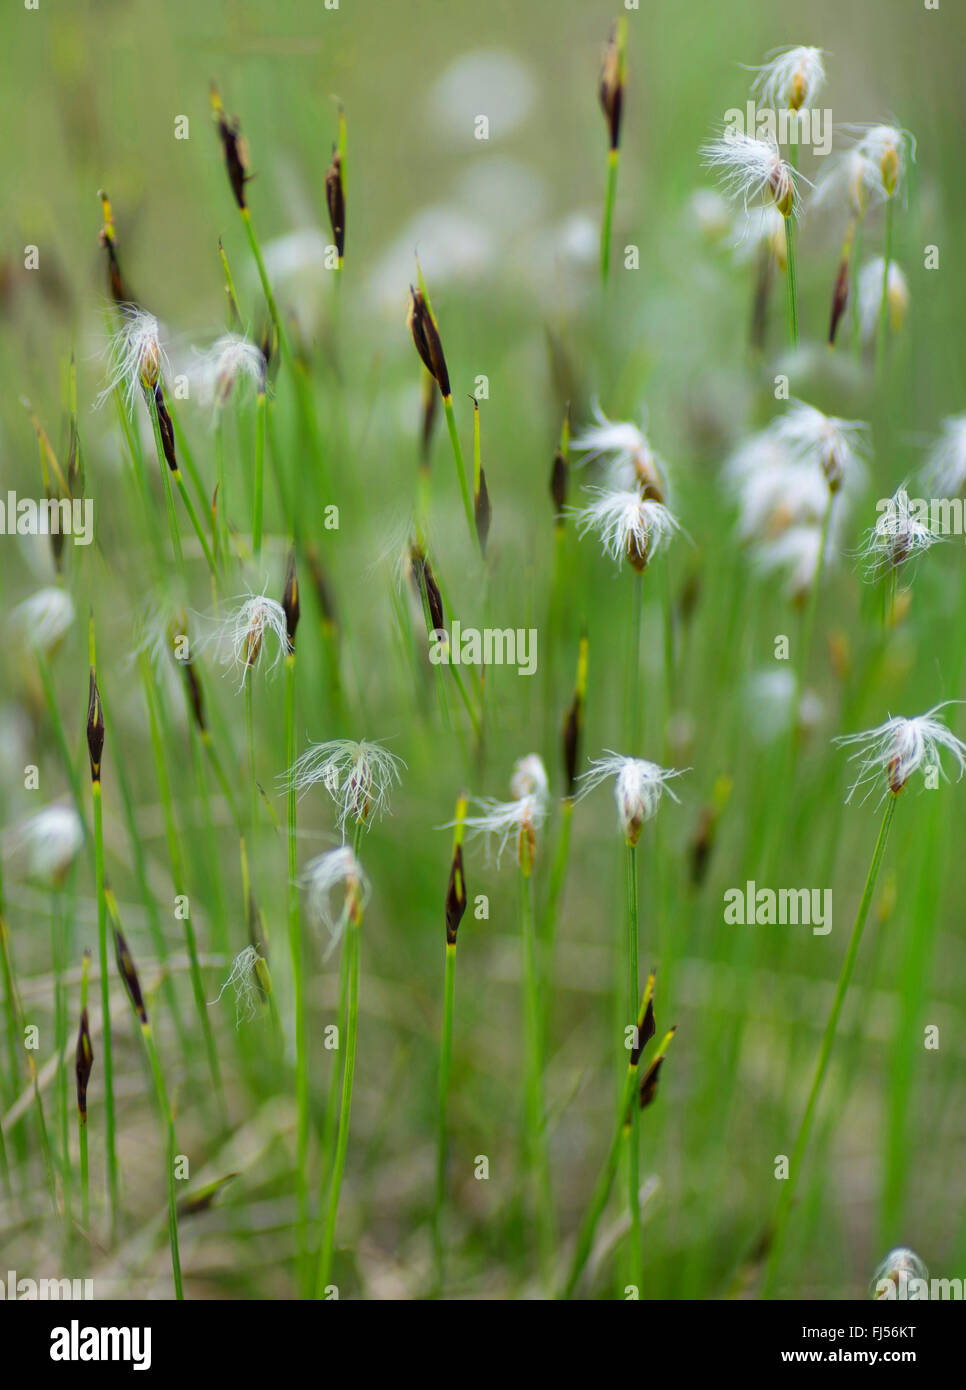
(95, 728)
(427, 340)
(612, 87)
(236, 157)
(125, 966)
(645, 1033)
(84, 1064)
(483, 512)
(455, 896)
(559, 478)
(290, 601)
(702, 845)
(57, 537)
(840, 297)
(166, 428)
(323, 590)
(196, 698)
(335, 201)
(426, 585)
(649, 1081)
(574, 722)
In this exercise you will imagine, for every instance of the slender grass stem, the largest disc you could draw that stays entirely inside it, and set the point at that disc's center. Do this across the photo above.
(110, 1139)
(610, 197)
(259, 487)
(633, 970)
(170, 1155)
(342, 1141)
(791, 280)
(445, 1059)
(454, 440)
(882, 340)
(82, 1115)
(801, 1143)
(298, 984)
(535, 1130)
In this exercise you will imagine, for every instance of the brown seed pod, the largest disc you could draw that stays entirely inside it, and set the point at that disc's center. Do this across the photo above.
(84, 1063)
(95, 729)
(427, 341)
(128, 973)
(166, 429)
(290, 601)
(335, 201)
(612, 87)
(233, 146)
(483, 512)
(455, 896)
(840, 297)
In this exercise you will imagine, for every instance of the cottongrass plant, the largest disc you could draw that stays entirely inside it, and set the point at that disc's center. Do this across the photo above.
(869, 300)
(519, 819)
(752, 170)
(358, 776)
(230, 363)
(900, 535)
(888, 151)
(887, 757)
(83, 1066)
(639, 788)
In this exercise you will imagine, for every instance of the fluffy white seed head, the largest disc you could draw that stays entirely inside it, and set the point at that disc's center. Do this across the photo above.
(520, 818)
(244, 983)
(900, 747)
(44, 619)
(629, 526)
(631, 462)
(230, 360)
(901, 532)
(945, 471)
(849, 179)
(871, 277)
(136, 356)
(791, 79)
(777, 495)
(771, 697)
(751, 169)
(359, 777)
(254, 630)
(51, 840)
(833, 445)
(795, 555)
(639, 786)
(337, 889)
(888, 151)
(529, 778)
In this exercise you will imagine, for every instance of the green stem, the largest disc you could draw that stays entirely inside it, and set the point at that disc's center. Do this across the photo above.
(445, 1058)
(454, 440)
(536, 1139)
(882, 342)
(110, 1141)
(259, 474)
(791, 281)
(828, 1038)
(633, 971)
(610, 196)
(295, 947)
(170, 1154)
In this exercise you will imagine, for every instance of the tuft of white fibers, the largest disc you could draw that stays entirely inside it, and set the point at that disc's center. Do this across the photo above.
(888, 150)
(51, 838)
(834, 445)
(630, 526)
(639, 786)
(231, 359)
(529, 777)
(760, 228)
(871, 277)
(791, 79)
(750, 168)
(336, 869)
(771, 696)
(945, 470)
(243, 980)
(44, 618)
(900, 747)
(899, 534)
(521, 817)
(359, 777)
(777, 495)
(848, 178)
(795, 553)
(626, 450)
(136, 356)
(241, 635)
